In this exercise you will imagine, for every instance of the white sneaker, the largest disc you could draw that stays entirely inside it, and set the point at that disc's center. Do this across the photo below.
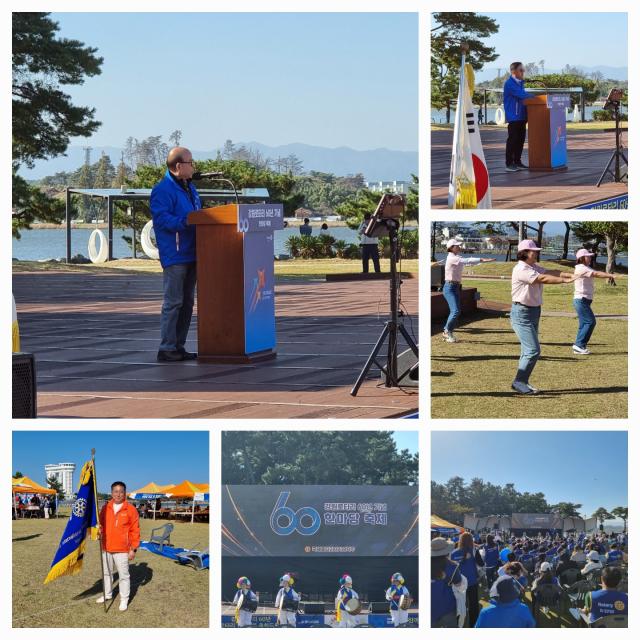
(533, 389)
(102, 599)
(123, 605)
(521, 387)
(580, 350)
(448, 336)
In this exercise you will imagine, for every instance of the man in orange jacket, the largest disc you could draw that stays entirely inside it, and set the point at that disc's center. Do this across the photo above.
(120, 536)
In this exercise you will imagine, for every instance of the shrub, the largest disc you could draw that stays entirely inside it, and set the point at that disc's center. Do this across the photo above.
(293, 246)
(340, 247)
(603, 115)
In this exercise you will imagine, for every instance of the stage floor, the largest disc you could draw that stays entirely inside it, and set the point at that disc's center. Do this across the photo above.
(588, 153)
(95, 336)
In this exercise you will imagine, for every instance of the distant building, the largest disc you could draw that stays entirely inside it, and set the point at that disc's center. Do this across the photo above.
(303, 213)
(63, 473)
(389, 186)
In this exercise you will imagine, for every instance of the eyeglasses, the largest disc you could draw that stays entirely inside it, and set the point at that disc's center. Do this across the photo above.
(185, 162)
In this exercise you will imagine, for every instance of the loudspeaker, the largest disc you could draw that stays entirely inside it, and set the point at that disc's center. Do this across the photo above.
(24, 394)
(379, 607)
(407, 361)
(312, 607)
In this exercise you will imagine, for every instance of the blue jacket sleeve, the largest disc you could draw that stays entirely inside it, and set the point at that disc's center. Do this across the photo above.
(518, 91)
(162, 211)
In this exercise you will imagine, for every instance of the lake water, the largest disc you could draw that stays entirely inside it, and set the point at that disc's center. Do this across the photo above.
(44, 244)
(439, 116)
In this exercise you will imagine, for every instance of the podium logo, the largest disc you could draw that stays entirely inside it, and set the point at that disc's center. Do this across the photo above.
(284, 520)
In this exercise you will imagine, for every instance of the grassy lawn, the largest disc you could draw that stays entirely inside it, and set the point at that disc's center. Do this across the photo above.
(472, 378)
(163, 593)
(286, 269)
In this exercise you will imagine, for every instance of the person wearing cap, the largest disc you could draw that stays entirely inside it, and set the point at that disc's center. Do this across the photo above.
(527, 281)
(545, 576)
(393, 595)
(287, 602)
(505, 609)
(345, 593)
(583, 297)
(608, 600)
(469, 559)
(444, 575)
(452, 288)
(247, 601)
(593, 563)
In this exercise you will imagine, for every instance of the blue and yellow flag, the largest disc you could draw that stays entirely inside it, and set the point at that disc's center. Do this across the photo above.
(83, 521)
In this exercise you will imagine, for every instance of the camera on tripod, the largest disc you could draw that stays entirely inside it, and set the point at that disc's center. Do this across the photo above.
(386, 217)
(618, 157)
(385, 221)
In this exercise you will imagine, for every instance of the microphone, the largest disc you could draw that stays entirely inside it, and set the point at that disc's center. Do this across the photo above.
(212, 174)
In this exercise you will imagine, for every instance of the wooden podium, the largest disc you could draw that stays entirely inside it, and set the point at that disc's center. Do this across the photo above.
(236, 301)
(548, 131)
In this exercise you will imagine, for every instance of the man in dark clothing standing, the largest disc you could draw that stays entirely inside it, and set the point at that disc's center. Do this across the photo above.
(516, 115)
(172, 199)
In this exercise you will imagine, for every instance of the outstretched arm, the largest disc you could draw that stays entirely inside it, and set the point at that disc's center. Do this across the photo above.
(562, 278)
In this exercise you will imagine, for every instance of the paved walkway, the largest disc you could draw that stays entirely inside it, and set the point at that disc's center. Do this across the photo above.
(588, 153)
(95, 336)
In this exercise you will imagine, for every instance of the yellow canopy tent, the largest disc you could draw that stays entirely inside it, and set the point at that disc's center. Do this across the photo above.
(187, 489)
(27, 485)
(150, 491)
(440, 525)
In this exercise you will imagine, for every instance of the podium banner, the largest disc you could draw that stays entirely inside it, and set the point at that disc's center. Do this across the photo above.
(260, 217)
(558, 103)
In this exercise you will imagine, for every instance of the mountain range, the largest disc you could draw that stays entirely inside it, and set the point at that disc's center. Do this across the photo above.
(374, 164)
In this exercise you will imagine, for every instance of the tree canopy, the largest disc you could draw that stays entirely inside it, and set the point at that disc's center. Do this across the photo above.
(316, 457)
(449, 31)
(44, 118)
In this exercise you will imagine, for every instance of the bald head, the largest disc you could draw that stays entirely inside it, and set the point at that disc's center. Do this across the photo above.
(179, 162)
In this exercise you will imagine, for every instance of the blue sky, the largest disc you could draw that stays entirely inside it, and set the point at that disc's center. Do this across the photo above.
(341, 79)
(406, 440)
(578, 39)
(135, 457)
(588, 467)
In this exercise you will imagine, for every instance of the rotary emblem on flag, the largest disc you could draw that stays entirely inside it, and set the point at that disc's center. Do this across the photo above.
(79, 507)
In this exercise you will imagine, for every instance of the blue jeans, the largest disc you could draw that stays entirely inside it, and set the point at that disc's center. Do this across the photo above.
(179, 285)
(586, 321)
(525, 322)
(451, 293)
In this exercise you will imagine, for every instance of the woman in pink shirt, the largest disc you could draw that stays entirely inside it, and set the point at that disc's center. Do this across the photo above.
(527, 280)
(583, 297)
(453, 284)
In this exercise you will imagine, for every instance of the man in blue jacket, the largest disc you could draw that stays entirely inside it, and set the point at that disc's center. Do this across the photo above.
(516, 115)
(505, 609)
(172, 199)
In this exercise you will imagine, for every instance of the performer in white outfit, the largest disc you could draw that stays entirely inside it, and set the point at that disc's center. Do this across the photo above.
(346, 593)
(394, 593)
(287, 602)
(246, 602)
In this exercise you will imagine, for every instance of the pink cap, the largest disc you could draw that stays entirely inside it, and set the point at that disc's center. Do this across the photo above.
(528, 245)
(581, 253)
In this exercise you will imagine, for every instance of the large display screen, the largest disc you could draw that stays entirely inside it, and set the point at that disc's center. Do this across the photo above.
(317, 520)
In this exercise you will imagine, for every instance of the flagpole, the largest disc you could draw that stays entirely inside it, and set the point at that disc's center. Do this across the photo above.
(95, 499)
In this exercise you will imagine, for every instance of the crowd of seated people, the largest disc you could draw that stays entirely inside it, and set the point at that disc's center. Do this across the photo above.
(512, 571)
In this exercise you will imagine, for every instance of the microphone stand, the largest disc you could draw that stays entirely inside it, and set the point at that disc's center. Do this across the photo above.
(227, 181)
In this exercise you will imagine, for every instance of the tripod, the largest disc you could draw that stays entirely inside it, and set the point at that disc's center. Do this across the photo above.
(617, 153)
(391, 326)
